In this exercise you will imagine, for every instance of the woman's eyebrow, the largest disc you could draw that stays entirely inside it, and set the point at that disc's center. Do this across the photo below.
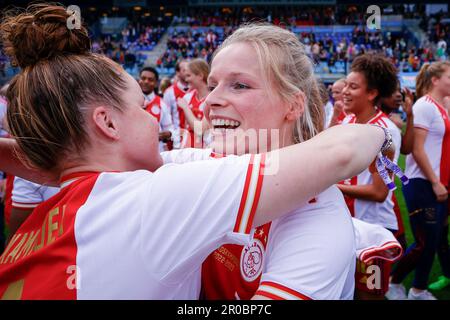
(233, 75)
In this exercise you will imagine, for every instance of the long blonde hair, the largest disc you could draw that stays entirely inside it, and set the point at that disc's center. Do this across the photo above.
(284, 61)
(426, 73)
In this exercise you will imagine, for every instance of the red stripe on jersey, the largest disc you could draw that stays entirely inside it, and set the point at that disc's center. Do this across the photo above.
(268, 295)
(401, 227)
(445, 152)
(352, 119)
(389, 251)
(244, 194)
(40, 261)
(377, 118)
(257, 194)
(216, 155)
(76, 175)
(8, 197)
(154, 107)
(177, 91)
(282, 288)
(381, 122)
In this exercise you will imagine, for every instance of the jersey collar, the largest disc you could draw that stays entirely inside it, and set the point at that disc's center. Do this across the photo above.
(72, 177)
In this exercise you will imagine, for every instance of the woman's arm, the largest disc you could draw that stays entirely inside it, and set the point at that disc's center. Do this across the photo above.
(376, 191)
(419, 154)
(301, 171)
(408, 136)
(338, 108)
(10, 162)
(193, 122)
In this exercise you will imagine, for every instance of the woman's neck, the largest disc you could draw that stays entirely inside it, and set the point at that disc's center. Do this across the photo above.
(437, 96)
(366, 114)
(202, 91)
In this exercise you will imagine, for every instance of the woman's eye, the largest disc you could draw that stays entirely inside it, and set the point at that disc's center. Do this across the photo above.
(239, 85)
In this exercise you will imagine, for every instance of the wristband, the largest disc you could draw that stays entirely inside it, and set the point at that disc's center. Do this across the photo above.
(387, 139)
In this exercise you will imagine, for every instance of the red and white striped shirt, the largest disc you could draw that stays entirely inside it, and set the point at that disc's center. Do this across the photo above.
(120, 236)
(294, 257)
(383, 213)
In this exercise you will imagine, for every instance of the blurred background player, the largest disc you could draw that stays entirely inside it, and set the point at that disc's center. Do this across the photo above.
(114, 199)
(426, 195)
(368, 198)
(177, 90)
(192, 103)
(336, 113)
(397, 106)
(155, 105)
(311, 253)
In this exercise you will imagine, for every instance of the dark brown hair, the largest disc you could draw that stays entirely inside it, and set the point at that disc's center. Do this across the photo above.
(379, 72)
(60, 79)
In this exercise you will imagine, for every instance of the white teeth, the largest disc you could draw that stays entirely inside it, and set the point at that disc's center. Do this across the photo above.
(225, 122)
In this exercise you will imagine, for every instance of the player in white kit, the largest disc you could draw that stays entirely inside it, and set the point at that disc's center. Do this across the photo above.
(309, 254)
(426, 195)
(122, 226)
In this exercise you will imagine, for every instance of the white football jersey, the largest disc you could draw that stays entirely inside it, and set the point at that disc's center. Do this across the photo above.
(429, 115)
(371, 211)
(302, 243)
(28, 195)
(132, 235)
(310, 253)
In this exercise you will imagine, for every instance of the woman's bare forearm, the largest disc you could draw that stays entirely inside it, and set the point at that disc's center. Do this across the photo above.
(10, 162)
(304, 170)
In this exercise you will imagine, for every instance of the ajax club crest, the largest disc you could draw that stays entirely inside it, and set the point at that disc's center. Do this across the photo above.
(252, 260)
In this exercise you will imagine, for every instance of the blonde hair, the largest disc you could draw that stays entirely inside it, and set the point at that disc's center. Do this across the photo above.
(285, 64)
(164, 84)
(426, 73)
(199, 67)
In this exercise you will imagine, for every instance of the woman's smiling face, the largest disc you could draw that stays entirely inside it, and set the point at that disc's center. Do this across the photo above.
(240, 102)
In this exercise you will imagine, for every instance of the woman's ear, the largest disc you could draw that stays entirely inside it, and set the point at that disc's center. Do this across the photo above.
(296, 107)
(373, 93)
(105, 122)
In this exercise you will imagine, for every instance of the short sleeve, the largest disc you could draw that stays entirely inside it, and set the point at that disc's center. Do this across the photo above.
(26, 194)
(310, 255)
(374, 241)
(201, 205)
(423, 115)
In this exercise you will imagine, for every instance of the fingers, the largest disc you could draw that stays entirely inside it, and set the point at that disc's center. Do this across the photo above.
(442, 197)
